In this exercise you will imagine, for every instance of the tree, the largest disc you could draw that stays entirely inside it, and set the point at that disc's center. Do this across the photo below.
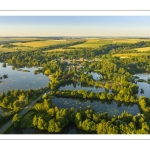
(35, 121)
(16, 120)
(42, 125)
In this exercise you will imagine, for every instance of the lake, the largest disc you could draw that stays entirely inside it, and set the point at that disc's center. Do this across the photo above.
(21, 80)
(112, 107)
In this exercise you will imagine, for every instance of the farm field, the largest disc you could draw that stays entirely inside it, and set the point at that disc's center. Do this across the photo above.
(12, 49)
(129, 40)
(14, 40)
(95, 43)
(27, 44)
(58, 50)
(125, 55)
(143, 49)
(37, 44)
(32, 45)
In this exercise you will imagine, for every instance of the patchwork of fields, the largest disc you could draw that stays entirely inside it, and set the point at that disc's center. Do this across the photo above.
(27, 44)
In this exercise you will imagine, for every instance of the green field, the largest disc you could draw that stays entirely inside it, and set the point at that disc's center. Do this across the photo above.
(95, 43)
(33, 45)
(37, 44)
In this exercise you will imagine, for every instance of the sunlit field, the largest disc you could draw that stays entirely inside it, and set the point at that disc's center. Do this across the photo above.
(31, 45)
(143, 49)
(129, 40)
(27, 44)
(125, 55)
(95, 43)
(38, 44)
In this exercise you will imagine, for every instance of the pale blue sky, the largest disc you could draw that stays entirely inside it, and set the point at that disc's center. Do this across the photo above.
(74, 25)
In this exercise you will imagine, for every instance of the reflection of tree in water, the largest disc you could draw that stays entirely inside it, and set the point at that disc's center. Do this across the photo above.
(74, 85)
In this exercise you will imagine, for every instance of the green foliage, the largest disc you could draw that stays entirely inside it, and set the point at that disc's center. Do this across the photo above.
(16, 120)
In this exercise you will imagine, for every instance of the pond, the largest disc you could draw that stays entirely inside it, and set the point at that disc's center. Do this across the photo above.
(21, 80)
(95, 75)
(85, 87)
(144, 85)
(112, 107)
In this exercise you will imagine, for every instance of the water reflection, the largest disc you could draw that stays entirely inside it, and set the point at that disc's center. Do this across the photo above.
(143, 85)
(21, 80)
(82, 86)
(71, 129)
(112, 107)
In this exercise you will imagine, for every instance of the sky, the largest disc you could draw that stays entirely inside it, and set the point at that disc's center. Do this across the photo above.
(75, 26)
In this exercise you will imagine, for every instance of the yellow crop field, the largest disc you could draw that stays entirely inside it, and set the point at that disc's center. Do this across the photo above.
(94, 43)
(129, 40)
(125, 55)
(143, 49)
(12, 49)
(38, 44)
(58, 50)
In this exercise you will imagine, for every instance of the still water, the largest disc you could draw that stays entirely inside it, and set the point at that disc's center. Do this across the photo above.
(85, 87)
(21, 80)
(144, 85)
(112, 107)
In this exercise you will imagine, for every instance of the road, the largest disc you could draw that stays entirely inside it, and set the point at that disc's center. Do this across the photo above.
(6, 126)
